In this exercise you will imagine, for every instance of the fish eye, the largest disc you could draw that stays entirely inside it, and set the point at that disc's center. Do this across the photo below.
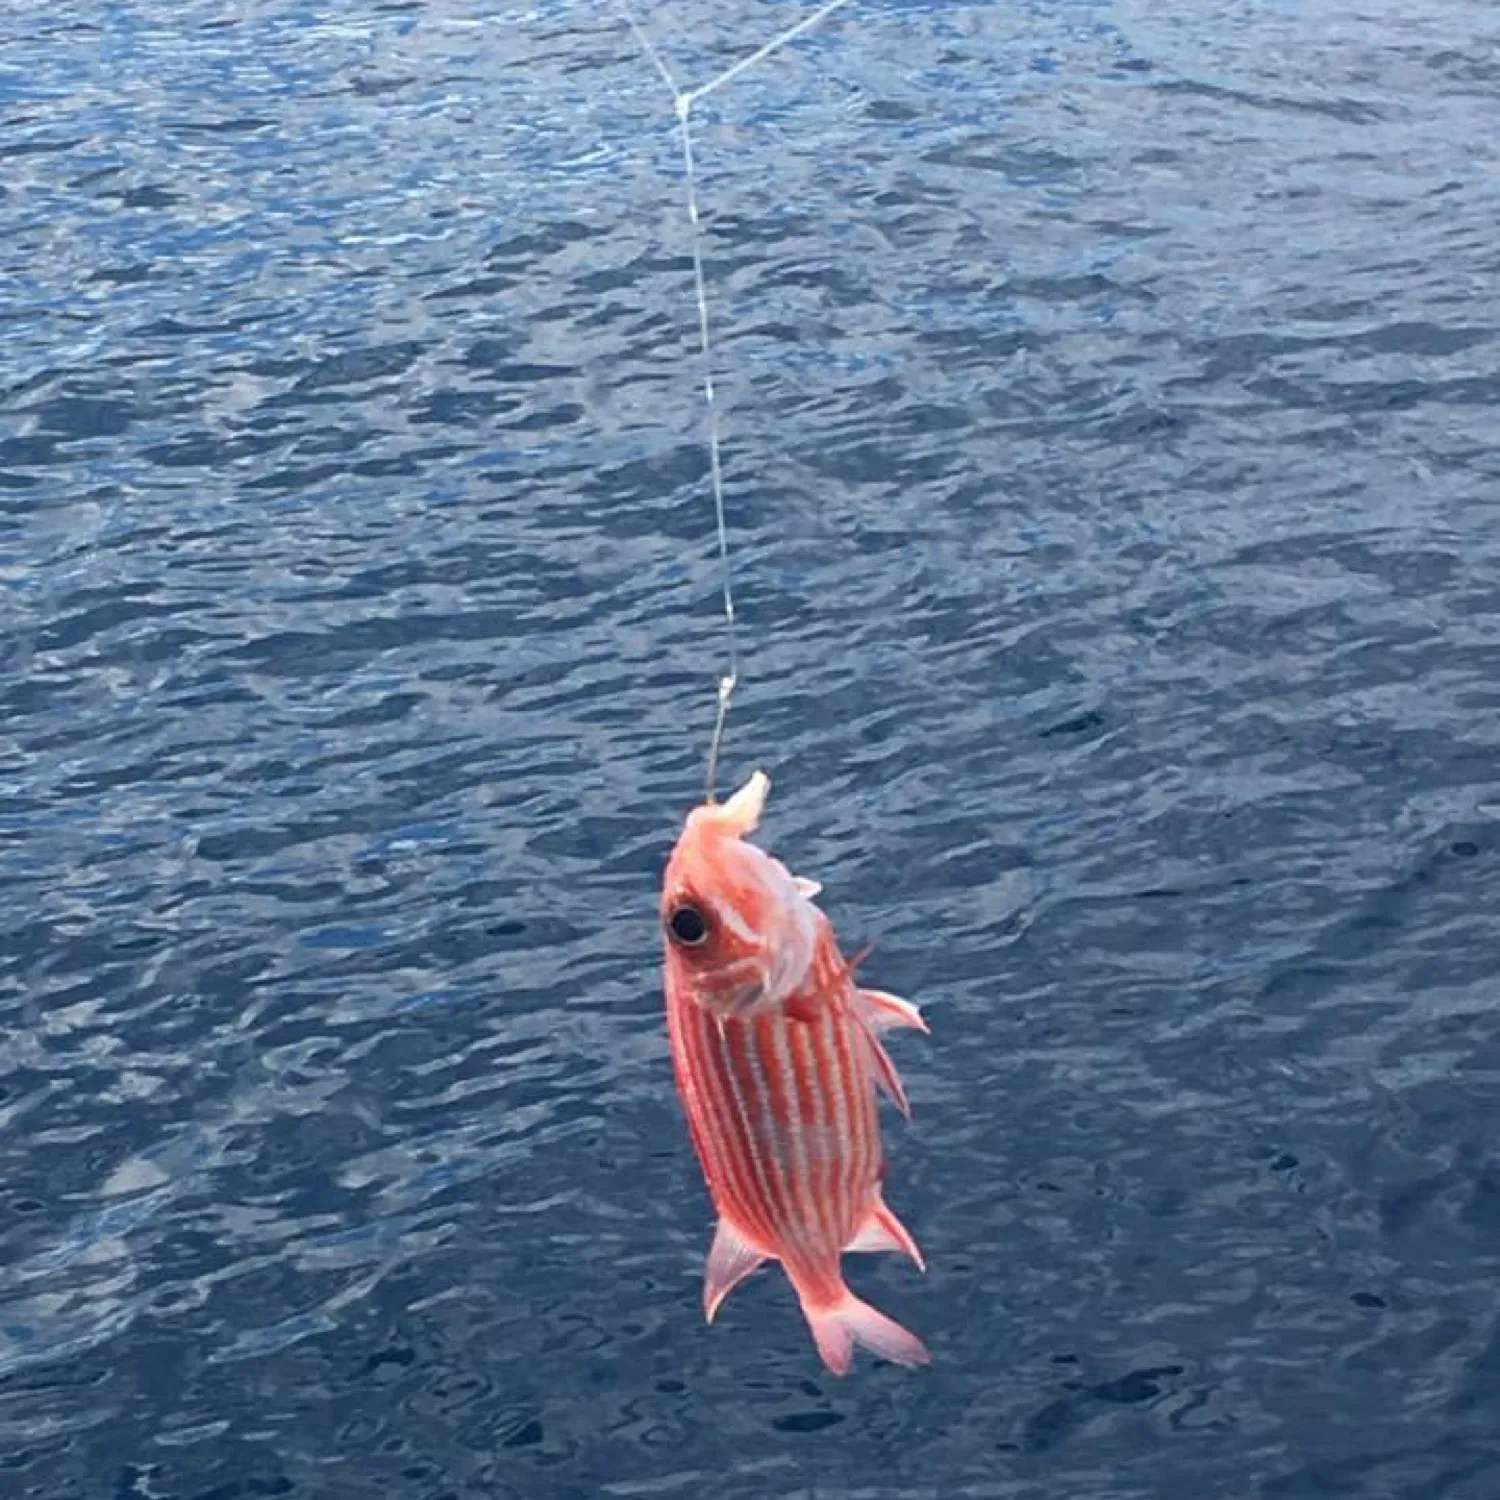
(688, 925)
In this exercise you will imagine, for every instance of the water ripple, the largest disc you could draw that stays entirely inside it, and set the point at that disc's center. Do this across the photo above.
(1110, 458)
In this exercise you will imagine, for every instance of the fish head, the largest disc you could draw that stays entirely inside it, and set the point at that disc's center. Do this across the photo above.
(740, 929)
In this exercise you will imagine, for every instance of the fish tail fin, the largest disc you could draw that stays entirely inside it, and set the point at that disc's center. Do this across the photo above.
(839, 1326)
(839, 1320)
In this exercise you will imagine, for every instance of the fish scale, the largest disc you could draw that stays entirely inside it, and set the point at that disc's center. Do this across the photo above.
(796, 1167)
(779, 1085)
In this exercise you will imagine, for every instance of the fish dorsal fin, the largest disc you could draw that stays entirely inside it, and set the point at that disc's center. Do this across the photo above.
(886, 1012)
(729, 1262)
(806, 887)
(884, 1231)
(886, 1075)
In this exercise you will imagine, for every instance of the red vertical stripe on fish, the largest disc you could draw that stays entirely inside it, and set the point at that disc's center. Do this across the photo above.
(760, 1134)
(782, 1113)
(767, 1045)
(731, 1168)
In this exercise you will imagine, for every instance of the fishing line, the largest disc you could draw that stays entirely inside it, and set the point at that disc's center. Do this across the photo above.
(683, 101)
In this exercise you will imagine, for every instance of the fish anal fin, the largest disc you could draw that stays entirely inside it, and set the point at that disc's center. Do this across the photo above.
(884, 1231)
(886, 1012)
(886, 1075)
(730, 1261)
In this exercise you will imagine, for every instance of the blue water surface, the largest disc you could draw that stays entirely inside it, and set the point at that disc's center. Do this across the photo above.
(1113, 468)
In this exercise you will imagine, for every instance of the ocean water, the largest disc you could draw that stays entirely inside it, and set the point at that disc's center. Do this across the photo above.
(1113, 471)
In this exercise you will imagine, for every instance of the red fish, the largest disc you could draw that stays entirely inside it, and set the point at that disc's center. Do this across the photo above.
(777, 1056)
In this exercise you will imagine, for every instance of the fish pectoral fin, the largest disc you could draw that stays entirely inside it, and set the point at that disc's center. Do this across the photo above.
(886, 1012)
(886, 1075)
(884, 1231)
(806, 887)
(730, 1261)
(801, 1008)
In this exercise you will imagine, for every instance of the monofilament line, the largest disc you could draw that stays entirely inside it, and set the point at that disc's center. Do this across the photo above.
(683, 100)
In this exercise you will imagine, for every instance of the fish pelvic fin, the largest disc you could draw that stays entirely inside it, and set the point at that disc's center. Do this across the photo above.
(884, 1231)
(838, 1327)
(730, 1261)
(887, 1012)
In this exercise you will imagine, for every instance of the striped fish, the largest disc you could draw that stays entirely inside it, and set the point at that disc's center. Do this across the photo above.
(777, 1057)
